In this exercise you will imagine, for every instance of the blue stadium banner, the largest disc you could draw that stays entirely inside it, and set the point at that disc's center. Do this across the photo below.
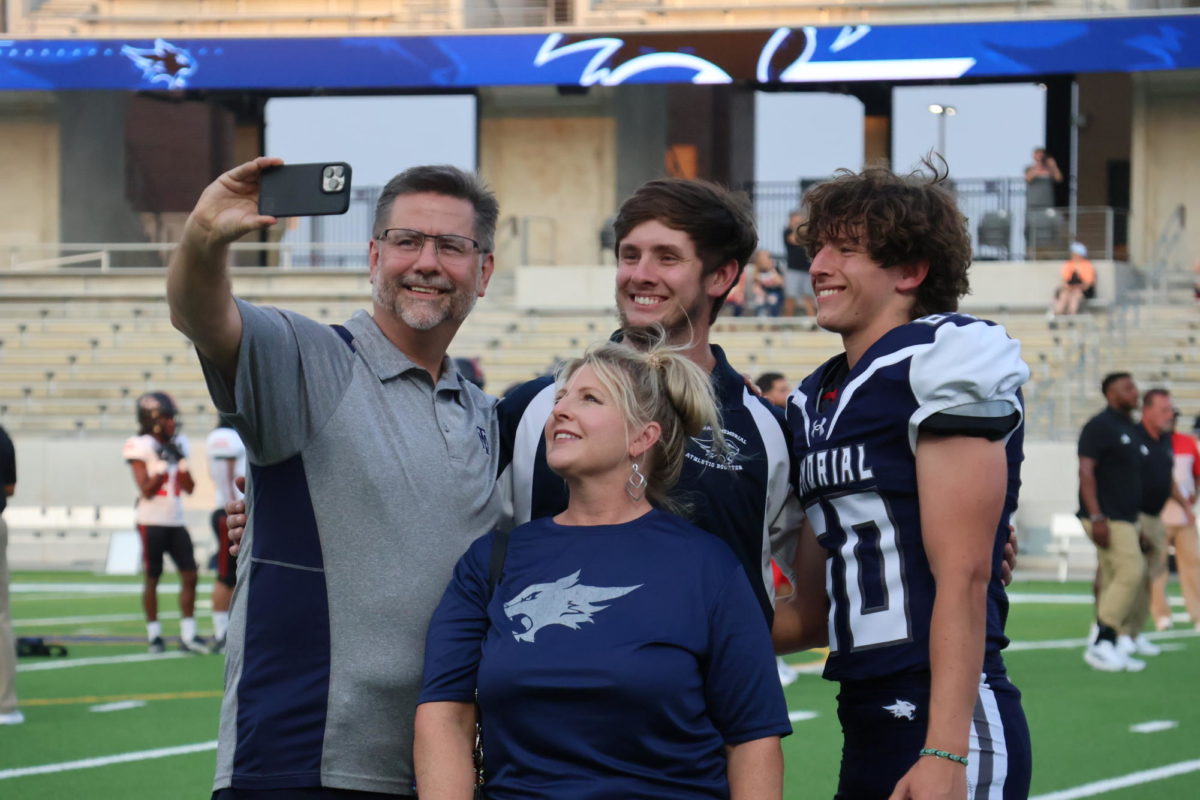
(782, 55)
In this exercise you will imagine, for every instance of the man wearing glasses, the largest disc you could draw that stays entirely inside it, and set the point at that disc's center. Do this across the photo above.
(372, 467)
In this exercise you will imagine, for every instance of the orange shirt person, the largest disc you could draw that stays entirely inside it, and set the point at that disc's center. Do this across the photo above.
(1076, 281)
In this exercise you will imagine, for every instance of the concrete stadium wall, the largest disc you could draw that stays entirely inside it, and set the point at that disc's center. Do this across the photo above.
(70, 471)
(29, 162)
(1166, 162)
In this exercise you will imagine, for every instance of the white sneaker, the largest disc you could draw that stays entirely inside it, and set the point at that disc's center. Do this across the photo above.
(1126, 645)
(787, 675)
(1104, 656)
(1145, 647)
(14, 718)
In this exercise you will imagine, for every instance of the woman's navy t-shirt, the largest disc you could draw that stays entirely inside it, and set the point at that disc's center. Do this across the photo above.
(617, 661)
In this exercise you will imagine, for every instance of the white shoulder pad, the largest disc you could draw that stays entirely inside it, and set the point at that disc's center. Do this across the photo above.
(136, 449)
(185, 447)
(976, 365)
(225, 443)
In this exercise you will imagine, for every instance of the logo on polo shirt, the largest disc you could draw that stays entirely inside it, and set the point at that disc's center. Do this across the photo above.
(710, 456)
(483, 440)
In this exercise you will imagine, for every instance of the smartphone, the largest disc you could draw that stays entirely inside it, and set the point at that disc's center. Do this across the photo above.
(305, 190)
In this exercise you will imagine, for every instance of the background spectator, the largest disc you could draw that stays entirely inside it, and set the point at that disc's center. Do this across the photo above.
(766, 285)
(1077, 281)
(799, 283)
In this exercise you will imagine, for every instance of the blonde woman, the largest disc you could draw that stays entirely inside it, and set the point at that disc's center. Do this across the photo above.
(621, 654)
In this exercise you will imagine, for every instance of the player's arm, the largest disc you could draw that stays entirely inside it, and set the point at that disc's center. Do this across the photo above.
(961, 483)
(1184, 502)
(147, 484)
(755, 769)
(199, 291)
(444, 749)
(184, 479)
(801, 618)
(1091, 500)
(228, 473)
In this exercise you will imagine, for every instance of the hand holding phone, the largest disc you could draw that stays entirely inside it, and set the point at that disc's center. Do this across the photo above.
(305, 190)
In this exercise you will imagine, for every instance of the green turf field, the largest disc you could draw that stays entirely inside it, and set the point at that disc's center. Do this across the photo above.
(99, 726)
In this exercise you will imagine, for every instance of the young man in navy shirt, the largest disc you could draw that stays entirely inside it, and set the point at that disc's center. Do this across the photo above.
(908, 451)
(681, 245)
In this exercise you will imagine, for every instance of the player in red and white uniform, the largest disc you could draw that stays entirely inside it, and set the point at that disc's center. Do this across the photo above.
(1181, 535)
(158, 459)
(226, 462)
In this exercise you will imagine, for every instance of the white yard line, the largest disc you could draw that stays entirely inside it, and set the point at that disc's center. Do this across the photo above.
(201, 605)
(1066, 599)
(67, 663)
(97, 588)
(1055, 599)
(1123, 782)
(104, 761)
(1065, 644)
(84, 620)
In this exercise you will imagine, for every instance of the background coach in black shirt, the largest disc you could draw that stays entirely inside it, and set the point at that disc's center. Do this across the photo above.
(1110, 497)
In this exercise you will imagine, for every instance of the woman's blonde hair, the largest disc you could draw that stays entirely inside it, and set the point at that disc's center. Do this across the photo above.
(651, 381)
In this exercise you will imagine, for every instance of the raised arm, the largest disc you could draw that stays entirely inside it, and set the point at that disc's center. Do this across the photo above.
(961, 483)
(198, 288)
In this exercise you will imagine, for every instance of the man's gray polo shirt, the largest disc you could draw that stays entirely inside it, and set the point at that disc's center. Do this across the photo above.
(366, 484)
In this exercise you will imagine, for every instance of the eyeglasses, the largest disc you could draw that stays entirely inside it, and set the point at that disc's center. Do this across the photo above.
(450, 248)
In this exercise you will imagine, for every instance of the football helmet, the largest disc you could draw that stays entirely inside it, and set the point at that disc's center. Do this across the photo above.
(152, 408)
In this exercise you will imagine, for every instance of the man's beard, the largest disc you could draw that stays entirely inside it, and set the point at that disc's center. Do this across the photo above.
(424, 315)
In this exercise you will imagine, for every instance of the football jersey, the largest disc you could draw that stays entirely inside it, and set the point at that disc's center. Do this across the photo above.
(224, 445)
(1187, 468)
(742, 495)
(166, 507)
(855, 437)
(611, 661)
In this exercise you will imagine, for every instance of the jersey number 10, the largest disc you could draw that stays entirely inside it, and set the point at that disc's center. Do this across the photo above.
(871, 593)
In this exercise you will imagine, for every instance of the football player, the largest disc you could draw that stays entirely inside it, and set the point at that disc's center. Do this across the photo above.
(226, 463)
(908, 448)
(158, 458)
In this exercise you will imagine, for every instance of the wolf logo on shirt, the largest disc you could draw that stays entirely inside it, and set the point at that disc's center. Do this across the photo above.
(566, 601)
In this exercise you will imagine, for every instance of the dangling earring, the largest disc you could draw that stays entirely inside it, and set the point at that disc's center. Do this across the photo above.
(635, 487)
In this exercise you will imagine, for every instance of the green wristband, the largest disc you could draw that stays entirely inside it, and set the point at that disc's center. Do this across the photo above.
(929, 751)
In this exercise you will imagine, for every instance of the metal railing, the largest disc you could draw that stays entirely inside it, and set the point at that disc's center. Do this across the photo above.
(1002, 227)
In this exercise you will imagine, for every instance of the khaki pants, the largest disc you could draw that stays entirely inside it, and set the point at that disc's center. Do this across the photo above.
(1122, 575)
(8, 647)
(1186, 542)
(1151, 528)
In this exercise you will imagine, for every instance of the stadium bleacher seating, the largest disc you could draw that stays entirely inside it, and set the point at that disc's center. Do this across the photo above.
(78, 363)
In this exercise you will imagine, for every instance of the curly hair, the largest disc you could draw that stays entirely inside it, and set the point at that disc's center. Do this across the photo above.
(898, 219)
